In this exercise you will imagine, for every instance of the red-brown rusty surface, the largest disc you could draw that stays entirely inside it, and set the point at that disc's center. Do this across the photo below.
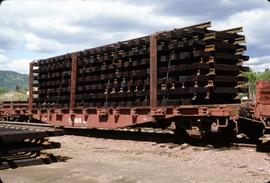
(13, 108)
(262, 109)
(153, 70)
(123, 117)
(263, 92)
(73, 81)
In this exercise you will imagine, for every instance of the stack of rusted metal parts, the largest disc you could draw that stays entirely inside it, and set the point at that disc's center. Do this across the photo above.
(194, 66)
(51, 81)
(198, 66)
(22, 144)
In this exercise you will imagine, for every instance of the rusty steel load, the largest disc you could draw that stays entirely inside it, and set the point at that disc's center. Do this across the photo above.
(191, 65)
(22, 144)
(191, 76)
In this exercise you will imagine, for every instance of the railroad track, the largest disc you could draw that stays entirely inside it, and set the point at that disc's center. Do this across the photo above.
(159, 136)
(23, 144)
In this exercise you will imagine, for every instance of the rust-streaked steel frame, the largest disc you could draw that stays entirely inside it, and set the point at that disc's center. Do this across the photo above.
(9, 109)
(123, 117)
(30, 99)
(73, 81)
(153, 71)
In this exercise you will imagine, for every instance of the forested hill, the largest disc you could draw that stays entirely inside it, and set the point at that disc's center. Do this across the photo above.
(10, 80)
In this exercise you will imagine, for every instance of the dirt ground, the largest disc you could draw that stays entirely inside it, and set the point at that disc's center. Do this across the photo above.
(93, 160)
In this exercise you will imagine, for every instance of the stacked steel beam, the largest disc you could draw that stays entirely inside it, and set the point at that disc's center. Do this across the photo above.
(51, 81)
(194, 65)
(198, 66)
(23, 144)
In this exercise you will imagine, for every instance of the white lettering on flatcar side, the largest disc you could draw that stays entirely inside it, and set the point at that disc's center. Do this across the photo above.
(77, 121)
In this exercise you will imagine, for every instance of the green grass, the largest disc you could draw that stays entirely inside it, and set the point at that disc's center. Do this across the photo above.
(13, 96)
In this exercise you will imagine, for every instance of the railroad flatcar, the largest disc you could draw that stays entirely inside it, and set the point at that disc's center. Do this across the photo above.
(189, 78)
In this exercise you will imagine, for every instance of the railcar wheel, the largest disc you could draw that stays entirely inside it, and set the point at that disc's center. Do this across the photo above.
(223, 137)
(252, 130)
(5, 118)
(11, 118)
(180, 133)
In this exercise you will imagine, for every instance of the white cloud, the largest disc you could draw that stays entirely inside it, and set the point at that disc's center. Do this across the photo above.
(228, 3)
(52, 28)
(255, 22)
(256, 27)
(259, 63)
(8, 38)
(3, 57)
(2, 51)
(38, 44)
(47, 28)
(18, 65)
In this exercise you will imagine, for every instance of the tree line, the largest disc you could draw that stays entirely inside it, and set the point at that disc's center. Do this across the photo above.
(252, 77)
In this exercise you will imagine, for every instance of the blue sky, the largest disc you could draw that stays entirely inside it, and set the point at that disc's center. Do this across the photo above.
(35, 29)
